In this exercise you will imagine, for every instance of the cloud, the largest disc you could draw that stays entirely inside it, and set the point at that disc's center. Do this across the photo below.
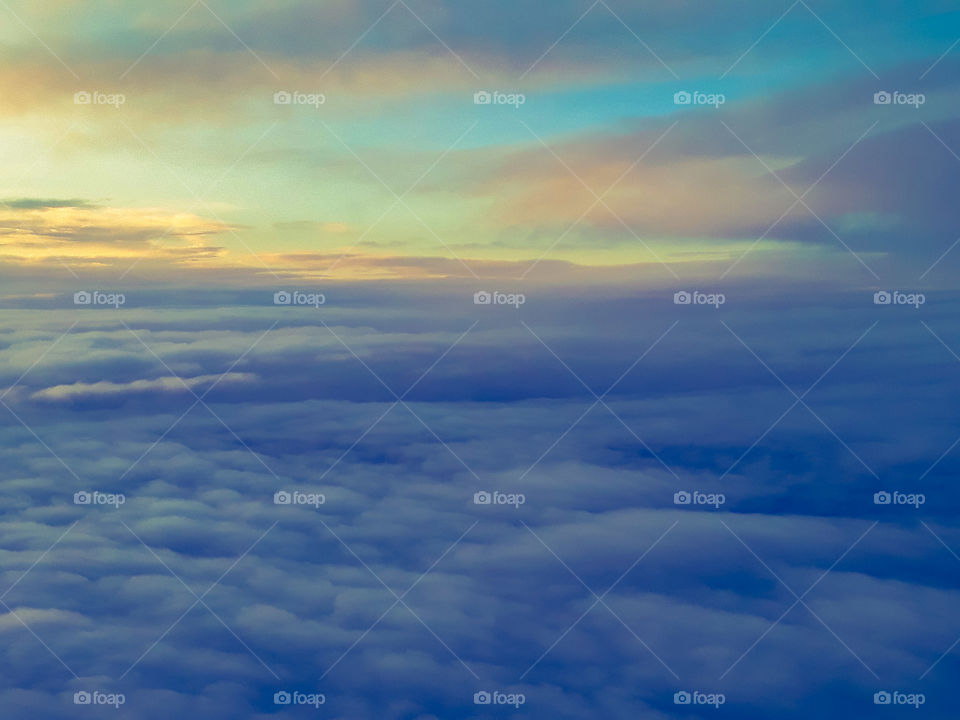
(39, 230)
(41, 204)
(308, 416)
(399, 398)
(15, 618)
(163, 384)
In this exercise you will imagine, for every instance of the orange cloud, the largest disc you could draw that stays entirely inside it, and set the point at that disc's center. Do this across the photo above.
(33, 231)
(682, 197)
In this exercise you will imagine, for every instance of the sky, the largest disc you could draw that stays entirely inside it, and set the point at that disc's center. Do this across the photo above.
(427, 360)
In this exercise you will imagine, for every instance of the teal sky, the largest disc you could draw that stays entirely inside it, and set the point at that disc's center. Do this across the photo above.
(198, 169)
